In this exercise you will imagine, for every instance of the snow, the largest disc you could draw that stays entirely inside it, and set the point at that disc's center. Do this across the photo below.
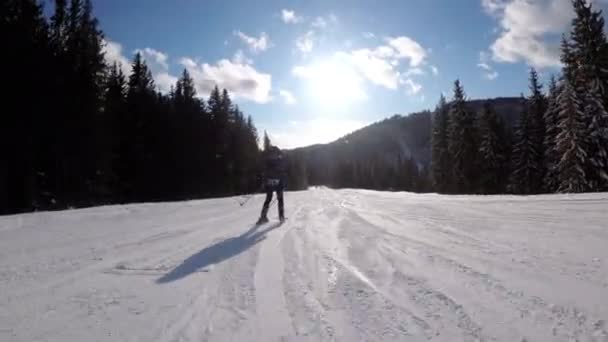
(348, 265)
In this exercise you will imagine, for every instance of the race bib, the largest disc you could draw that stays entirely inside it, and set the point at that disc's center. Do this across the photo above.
(273, 182)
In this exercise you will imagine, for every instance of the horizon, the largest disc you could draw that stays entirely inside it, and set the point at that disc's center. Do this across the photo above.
(310, 74)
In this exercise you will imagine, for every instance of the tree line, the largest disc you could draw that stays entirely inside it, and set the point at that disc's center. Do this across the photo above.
(76, 131)
(560, 143)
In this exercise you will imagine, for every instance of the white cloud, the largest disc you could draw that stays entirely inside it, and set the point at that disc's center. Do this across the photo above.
(323, 22)
(187, 62)
(241, 79)
(412, 88)
(240, 58)
(491, 75)
(526, 27)
(157, 62)
(319, 22)
(408, 48)
(415, 72)
(434, 70)
(374, 67)
(155, 56)
(369, 35)
(290, 17)
(113, 54)
(256, 45)
(484, 66)
(164, 81)
(287, 97)
(488, 71)
(305, 43)
(301, 133)
(379, 66)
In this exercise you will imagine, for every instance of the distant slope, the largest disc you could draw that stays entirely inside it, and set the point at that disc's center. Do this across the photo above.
(389, 140)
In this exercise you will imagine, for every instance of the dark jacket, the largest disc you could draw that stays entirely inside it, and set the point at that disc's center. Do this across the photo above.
(275, 165)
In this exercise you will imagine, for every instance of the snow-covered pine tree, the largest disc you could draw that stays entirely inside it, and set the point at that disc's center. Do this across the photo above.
(597, 134)
(537, 106)
(440, 157)
(492, 147)
(590, 52)
(571, 142)
(589, 49)
(524, 156)
(527, 158)
(462, 144)
(551, 158)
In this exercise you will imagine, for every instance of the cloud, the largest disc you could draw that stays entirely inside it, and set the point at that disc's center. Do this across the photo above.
(241, 79)
(290, 17)
(408, 48)
(369, 35)
(491, 75)
(412, 88)
(488, 71)
(528, 30)
(113, 54)
(256, 45)
(164, 81)
(434, 70)
(415, 72)
(158, 63)
(305, 43)
(240, 58)
(374, 66)
(287, 97)
(154, 56)
(323, 22)
(301, 133)
(319, 22)
(379, 65)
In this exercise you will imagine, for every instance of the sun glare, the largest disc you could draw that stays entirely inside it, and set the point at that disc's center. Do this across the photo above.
(333, 83)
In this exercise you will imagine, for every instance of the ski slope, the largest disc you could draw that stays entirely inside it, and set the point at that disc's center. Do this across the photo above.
(348, 265)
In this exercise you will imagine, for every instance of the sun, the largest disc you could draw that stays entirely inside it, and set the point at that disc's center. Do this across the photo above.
(332, 83)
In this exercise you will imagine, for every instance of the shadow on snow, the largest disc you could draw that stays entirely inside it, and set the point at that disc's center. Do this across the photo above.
(217, 253)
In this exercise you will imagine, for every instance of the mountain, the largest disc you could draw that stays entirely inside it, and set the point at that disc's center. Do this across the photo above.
(389, 142)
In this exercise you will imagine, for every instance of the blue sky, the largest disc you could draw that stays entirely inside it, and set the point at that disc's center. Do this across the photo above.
(311, 71)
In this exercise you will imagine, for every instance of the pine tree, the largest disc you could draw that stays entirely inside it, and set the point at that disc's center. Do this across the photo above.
(589, 50)
(524, 157)
(441, 165)
(114, 112)
(537, 104)
(568, 59)
(462, 144)
(136, 148)
(597, 144)
(492, 151)
(267, 142)
(551, 157)
(25, 124)
(528, 153)
(571, 142)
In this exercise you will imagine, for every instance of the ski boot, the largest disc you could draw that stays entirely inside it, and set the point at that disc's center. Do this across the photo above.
(262, 220)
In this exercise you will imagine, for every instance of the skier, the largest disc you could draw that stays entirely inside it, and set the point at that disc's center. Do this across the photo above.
(274, 178)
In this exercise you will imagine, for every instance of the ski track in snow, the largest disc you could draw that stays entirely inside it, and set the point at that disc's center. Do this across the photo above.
(348, 265)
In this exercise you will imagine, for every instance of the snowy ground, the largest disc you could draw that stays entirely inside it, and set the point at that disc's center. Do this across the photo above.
(347, 266)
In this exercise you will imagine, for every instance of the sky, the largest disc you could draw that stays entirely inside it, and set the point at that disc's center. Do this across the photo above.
(310, 71)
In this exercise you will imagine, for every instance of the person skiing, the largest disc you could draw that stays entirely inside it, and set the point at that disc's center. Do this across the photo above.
(274, 178)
